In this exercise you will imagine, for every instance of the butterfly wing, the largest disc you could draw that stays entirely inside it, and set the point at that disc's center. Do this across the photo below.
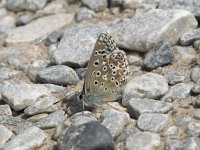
(107, 70)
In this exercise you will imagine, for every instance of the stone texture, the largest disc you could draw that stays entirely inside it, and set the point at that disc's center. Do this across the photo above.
(11, 120)
(84, 14)
(178, 91)
(6, 73)
(29, 5)
(59, 74)
(43, 105)
(143, 140)
(173, 77)
(36, 118)
(52, 120)
(137, 34)
(189, 38)
(54, 88)
(31, 138)
(39, 28)
(5, 110)
(77, 53)
(182, 120)
(137, 106)
(173, 144)
(196, 102)
(195, 74)
(82, 135)
(96, 5)
(5, 135)
(149, 85)
(53, 38)
(20, 96)
(196, 87)
(193, 129)
(114, 121)
(159, 56)
(152, 122)
(171, 131)
(7, 23)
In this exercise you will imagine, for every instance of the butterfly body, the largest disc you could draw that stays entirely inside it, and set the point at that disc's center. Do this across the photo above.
(107, 71)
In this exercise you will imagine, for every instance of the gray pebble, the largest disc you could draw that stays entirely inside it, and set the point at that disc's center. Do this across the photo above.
(193, 129)
(5, 135)
(173, 78)
(5, 110)
(84, 14)
(189, 38)
(96, 5)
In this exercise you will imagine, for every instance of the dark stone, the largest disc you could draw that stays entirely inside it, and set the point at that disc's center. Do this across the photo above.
(159, 56)
(53, 38)
(189, 38)
(88, 136)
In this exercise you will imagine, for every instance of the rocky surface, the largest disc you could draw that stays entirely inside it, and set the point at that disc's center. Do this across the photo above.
(45, 47)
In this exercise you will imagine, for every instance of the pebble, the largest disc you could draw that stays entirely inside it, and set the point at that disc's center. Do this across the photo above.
(36, 118)
(54, 88)
(129, 34)
(114, 121)
(81, 136)
(5, 110)
(43, 105)
(7, 23)
(59, 74)
(152, 122)
(5, 134)
(53, 38)
(84, 14)
(31, 138)
(143, 140)
(173, 77)
(96, 5)
(173, 144)
(196, 102)
(196, 44)
(190, 144)
(171, 131)
(189, 38)
(52, 120)
(6, 73)
(149, 85)
(115, 3)
(193, 129)
(20, 96)
(137, 106)
(195, 74)
(11, 120)
(196, 114)
(178, 92)
(24, 19)
(182, 120)
(159, 56)
(35, 30)
(65, 52)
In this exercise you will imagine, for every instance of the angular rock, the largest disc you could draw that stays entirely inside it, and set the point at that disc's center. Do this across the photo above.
(36, 118)
(178, 91)
(152, 122)
(53, 38)
(6, 73)
(189, 38)
(5, 110)
(20, 96)
(44, 105)
(173, 78)
(195, 74)
(24, 19)
(54, 88)
(77, 53)
(29, 5)
(39, 28)
(21, 127)
(137, 106)
(159, 56)
(82, 135)
(193, 129)
(143, 140)
(96, 5)
(52, 120)
(114, 121)
(8, 119)
(84, 14)
(149, 85)
(7, 23)
(31, 138)
(59, 74)
(5, 135)
(137, 34)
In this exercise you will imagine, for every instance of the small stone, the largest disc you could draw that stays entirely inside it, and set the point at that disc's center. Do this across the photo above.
(182, 120)
(43, 105)
(137, 106)
(196, 87)
(20, 96)
(5, 135)
(5, 110)
(53, 38)
(36, 118)
(196, 114)
(173, 144)
(96, 5)
(177, 92)
(24, 19)
(152, 122)
(82, 135)
(7, 23)
(159, 56)
(22, 126)
(84, 14)
(31, 138)
(134, 59)
(58, 74)
(196, 102)
(6, 73)
(29, 5)
(52, 120)
(8, 119)
(114, 121)
(114, 3)
(171, 131)
(193, 129)
(149, 85)
(196, 44)
(189, 38)
(190, 144)
(143, 140)
(37, 29)
(195, 74)
(54, 88)
(173, 78)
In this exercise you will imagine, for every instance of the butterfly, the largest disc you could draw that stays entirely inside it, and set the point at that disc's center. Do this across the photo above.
(107, 71)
